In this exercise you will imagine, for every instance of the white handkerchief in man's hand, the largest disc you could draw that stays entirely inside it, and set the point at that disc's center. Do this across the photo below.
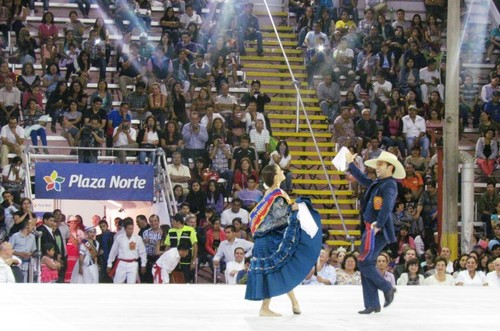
(307, 222)
(339, 161)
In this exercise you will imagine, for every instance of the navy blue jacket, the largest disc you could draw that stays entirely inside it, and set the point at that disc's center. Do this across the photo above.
(378, 203)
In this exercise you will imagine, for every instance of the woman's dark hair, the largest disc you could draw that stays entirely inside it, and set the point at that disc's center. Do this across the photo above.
(23, 70)
(72, 88)
(105, 82)
(347, 256)
(44, 17)
(213, 195)
(79, 59)
(268, 174)
(407, 238)
(282, 142)
(412, 262)
(456, 263)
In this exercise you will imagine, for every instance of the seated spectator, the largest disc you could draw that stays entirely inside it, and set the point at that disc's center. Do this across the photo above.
(348, 274)
(304, 25)
(493, 277)
(401, 22)
(220, 154)
(148, 138)
(220, 72)
(317, 59)
(248, 29)
(195, 137)
(177, 103)
(366, 60)
(157, 102)
(345, 23)
(382, 267)
(343, 130)
(412, 275)
(143, 15)
(215, 198)
(373, 150)
(440, 277)
(6, 273)
(226, 248)
(12, 136)
(414, 53)
(328, 93)
(486, 90)
(250, 195)
(190, 48)
(28, 78)
(69, 132)
(430, 80)
(428, 205)
(47, 29)
(413, 181)
(196, 199)
(434, 125)
(235, 211)
(14, 178)
(259, 136)
(215, 235)
(493, 44)
(492, 108)
(200, 104)
(75, 25)
(103, 93)
(436, 8)
(72, 115)
(124, 136)
(225, 102)
(414, 131)
(495, 239)
(96, 111)
(322, 273)
(90, 135)
(471, 276)
(233, 267)
(96, 50)
(179, 173)
(170, 24)
(242, 173)
(10, 99)
(420, 164)
(486, 205)
(179, 196)
(367, 22)
(386, 62)
(487, 152)
(344, 58)
(199, 73)
(131, 71)
(282, 157)
(34, 125)
(138, 102)
(381, 92)
(392, 134)
(159, 67)
(171, 139)
(366, 127)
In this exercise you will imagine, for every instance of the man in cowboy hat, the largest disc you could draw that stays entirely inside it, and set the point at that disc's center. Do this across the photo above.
(376, 208)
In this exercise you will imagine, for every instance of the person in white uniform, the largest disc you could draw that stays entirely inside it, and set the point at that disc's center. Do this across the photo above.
(127, 249)
(85, 270)
(167, 262)
(493, 277)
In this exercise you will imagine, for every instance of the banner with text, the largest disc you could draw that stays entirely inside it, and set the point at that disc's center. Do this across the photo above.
(85, 181)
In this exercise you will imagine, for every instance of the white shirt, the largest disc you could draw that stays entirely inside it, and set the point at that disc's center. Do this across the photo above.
(251, 124)
(9, 98)
(181, 171)
(413, 128)
(168, 260)
(312, 39)
(233, 266)
(464, 277)
(427, 76)
(327, 272)
(185, 19)
(122, 137)
(6, 275)
(121, 249)
(387, 87)
(493, 279)
(347, 53)
(432, 281)
(6, 132)
(284, 160)
(228, 216)
(11, 176)
(225, 103)
(226, 249)
(260, 140)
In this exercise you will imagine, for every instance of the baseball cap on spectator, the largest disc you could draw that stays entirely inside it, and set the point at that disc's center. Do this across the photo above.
(495, 247)
(412, 107)
(343, 77)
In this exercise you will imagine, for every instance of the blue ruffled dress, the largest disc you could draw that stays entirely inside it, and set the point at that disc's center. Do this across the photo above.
(283, 254)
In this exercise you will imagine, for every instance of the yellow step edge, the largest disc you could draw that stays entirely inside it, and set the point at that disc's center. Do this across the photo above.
(272, 66)
(341, 232)
(321, 192)
(309, 162)
(314, 154)
(308, 144)
(274, 74)
(294, 100)
(283, 35)
(276, 82)
(334, 211)
(320, 181)
(300, 134)
(276, 50)
(289, 108)
(294, 117)
(339, 222)
(304, 126)
(342, 243)
(315, 172)
(271, 58)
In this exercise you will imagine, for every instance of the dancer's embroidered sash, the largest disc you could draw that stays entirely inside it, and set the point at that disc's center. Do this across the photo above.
(263, 207)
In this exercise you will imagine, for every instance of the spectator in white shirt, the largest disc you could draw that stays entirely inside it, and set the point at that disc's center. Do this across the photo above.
(322, 273)
(12, 140)
(259, 138)
(190, 16)
(233, 267)
(226, 248)
(6, 274)
(493, 278)
(124, 136)
(10, 99)
(235, 211)
(414, 131)
(430, 80)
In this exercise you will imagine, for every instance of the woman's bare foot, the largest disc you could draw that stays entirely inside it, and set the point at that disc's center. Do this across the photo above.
(268, 313)
(296, 309)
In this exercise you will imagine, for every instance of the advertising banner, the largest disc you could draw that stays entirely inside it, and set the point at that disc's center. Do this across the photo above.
(85, 181)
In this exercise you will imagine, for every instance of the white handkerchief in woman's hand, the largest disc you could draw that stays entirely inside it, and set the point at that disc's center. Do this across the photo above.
(307, 222)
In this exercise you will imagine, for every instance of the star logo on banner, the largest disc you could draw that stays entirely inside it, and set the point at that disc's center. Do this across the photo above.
(53, 181)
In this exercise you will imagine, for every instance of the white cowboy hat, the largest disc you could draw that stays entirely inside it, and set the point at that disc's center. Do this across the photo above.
(399, 170)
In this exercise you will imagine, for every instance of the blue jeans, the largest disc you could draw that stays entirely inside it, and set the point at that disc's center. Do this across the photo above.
(329, 111)
(371, 279)
(34, 134)
(302, 36)
(242, 36)
(423, 143)
(286, 185)
(151, 156)
(228, 176)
